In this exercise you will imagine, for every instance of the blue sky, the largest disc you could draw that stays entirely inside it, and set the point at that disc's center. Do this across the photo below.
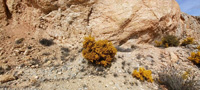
(191, 7)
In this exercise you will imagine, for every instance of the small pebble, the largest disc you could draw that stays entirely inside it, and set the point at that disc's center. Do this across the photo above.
(59, 73)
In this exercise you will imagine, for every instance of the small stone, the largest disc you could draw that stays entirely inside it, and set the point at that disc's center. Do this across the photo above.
(17, 51)
(33, 66)
(59, 73)
(6, 67)
(26, 52)
(85, 86)
(120, 56)
(149, 58)
(190, 46)
(18, 73)
(29, 47)
(18, 41)
(18, 67)
(36, 65)
(174, 57)
(7, 78)
(36, 77)
(47, 63)
(106, 85)
(100, 69)
(115, 75)
(64, 68)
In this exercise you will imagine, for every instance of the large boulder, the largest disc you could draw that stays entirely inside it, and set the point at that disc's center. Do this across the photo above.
(143, 20)
(114, 20)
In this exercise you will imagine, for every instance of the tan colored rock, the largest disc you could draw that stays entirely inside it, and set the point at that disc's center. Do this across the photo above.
(6, 78)
(50, 5)
(189, 26)
(115, 20)
(121, 20)
(174, 57)
(77, 1)
(44, 5)
(10, 4)
(3, 16)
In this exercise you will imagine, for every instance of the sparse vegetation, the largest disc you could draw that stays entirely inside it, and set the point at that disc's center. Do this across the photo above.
(168, 41)
(195, 57)
(174, 79)
(99, 52)
(143, 74)
(198, 47)
(187, 41)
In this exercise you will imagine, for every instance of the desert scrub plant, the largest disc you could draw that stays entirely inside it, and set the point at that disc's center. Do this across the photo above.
(195, 57)
(143, 74)
(187, 41)
(99, 52)
(168, 41)
(158, 43)
(198, 47)
(175, 79)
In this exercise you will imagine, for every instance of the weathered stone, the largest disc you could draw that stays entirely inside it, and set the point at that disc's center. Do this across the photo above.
(122, 20)
(3, 17)
(174, 57)
(50, 5)
(189, 27)
(6, 78)
(6, 67)
(10, 4)
(45, 5)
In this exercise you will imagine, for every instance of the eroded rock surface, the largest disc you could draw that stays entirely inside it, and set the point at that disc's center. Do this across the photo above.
(189, 26)
(3, 16)
(121, 20)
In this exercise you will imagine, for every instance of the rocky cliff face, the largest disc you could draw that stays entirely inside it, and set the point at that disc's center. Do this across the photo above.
(189, 26)
(115, 20)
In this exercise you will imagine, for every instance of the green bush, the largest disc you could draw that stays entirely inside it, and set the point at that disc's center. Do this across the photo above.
(168, 41)
(99, 52)
(174, 79)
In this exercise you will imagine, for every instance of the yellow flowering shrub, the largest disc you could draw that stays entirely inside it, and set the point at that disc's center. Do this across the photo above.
(99, 52)
(143, 74)
(137, 75)
(185, 75)
(195, 57)
(187, 41)
(158, 43)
